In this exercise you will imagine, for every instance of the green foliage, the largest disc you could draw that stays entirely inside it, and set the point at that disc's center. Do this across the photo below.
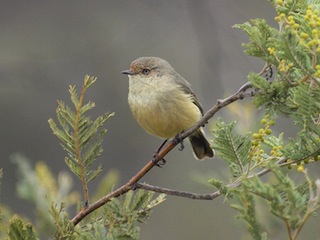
(245, 205)
(253, 155)
(49, 189)
(232, 147)
(20, 230)
(5, 216)
(4, 213)
(116, 220)
(81, 138)
(287, 201)
(293, 49)
(293, 52)
(260, 33)
(64, 228)
(79, 135)
(275, 96)
(121, 215)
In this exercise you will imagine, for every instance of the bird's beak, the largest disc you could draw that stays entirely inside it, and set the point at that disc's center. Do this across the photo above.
(127, 72)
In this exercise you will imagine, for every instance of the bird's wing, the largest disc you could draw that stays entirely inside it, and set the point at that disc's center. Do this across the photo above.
(186, 87)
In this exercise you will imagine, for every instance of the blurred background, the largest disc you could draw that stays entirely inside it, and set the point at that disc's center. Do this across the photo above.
(47, 45)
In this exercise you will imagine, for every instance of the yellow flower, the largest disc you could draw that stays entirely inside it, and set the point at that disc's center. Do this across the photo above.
(271, 50)
(300, 168)
(280, 2)
(304, 35)
(315, 32)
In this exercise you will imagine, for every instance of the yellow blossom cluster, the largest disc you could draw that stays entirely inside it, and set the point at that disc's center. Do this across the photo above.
(312, 39)
(284, 66)
(275, 151)
(281, 18)
(300, 168)
(306, 28)
(259, 137)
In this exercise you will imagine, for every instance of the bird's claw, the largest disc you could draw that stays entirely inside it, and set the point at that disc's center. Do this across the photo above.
(178, 139)
(159, 163)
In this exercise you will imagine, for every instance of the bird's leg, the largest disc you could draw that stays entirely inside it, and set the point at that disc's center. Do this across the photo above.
(162, 161)
(178, 139)
(161, 146)
(181, 147)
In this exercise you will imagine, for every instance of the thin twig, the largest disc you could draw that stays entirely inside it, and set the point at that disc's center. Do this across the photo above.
(197, 196)
(78, 149)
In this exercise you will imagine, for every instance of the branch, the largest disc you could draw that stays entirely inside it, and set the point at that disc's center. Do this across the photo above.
(197, 196)
(77, 147)
(132, 183)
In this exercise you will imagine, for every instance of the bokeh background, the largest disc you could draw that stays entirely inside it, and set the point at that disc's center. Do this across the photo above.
(47, 45)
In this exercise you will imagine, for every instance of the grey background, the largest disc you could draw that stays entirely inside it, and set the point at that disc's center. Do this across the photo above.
(47, 45)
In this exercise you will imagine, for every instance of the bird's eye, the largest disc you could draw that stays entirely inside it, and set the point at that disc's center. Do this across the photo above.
(145, 71)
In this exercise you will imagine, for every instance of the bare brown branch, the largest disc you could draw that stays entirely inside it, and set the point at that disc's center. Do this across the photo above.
(197, 196)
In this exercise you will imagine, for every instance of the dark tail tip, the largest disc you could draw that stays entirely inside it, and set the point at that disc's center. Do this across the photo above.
(200, 145)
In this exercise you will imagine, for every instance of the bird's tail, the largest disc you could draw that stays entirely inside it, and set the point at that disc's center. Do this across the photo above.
(200, 145)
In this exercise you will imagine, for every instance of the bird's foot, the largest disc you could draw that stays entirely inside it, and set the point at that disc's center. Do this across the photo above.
(159, 163)
(178, 139)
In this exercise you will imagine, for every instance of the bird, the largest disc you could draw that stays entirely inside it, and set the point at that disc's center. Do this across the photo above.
(164, 104)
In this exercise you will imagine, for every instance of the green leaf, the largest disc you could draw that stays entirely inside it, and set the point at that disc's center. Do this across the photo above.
(232, 147)
(259, 33)
(65, 229)
(20, 230)
(80, 137)
(122, 215)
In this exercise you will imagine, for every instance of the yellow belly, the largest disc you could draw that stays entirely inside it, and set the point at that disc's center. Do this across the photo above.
(166, 115)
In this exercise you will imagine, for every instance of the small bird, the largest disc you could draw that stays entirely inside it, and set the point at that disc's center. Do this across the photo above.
(164, 104)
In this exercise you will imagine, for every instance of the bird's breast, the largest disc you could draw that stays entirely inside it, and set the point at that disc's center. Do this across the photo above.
(162, 110)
